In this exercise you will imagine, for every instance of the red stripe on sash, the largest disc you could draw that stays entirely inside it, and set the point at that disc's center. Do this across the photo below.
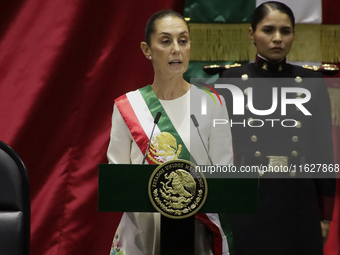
(217, 238)
(133, 124)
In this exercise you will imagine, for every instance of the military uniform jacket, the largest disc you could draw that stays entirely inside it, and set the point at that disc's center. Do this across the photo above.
(290, 209)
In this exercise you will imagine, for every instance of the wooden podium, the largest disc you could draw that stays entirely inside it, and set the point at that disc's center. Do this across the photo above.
(225, 195)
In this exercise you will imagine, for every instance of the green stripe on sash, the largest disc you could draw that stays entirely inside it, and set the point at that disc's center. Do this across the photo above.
(164, 123)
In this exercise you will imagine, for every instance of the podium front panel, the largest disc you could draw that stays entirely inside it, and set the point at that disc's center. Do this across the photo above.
(124, 188)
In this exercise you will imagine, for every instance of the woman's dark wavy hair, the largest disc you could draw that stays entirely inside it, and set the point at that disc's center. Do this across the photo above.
(150, 25)
(263, 10)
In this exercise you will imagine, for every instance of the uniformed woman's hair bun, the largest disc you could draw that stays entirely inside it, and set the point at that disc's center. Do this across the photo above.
(265, 8)
(150, 25)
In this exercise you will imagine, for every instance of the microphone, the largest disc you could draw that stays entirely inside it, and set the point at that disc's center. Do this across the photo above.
(194, 120)
(158, 115)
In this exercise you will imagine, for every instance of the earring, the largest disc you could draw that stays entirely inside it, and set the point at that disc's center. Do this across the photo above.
(149, 57)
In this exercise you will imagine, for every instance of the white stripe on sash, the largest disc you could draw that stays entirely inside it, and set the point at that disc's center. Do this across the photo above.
(213, 217)
(142, 112)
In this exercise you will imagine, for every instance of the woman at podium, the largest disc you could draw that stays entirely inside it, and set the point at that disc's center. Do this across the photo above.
(167, 47)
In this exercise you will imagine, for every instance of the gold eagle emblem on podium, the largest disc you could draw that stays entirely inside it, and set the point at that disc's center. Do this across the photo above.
(177, 190)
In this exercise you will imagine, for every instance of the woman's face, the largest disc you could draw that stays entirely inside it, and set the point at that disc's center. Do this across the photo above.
(273, 36)
(170, 47)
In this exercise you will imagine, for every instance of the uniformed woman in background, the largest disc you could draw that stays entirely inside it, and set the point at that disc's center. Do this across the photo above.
(290, 209)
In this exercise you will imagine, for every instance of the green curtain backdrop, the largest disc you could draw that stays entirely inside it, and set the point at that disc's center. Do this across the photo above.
(219, 11)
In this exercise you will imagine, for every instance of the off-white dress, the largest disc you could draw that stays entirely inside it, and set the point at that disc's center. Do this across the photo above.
(138, 233)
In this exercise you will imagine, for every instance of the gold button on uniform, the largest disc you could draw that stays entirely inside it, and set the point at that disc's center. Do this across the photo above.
(295, 139)
(294, 153)
(247, 107)
(292, 173)
(245, 91)
(253, 138)
(298, 79)
(250, 121)
(244, 77)
(298, 124)
(257, 154)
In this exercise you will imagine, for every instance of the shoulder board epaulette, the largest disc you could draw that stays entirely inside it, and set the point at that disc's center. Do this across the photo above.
(327, 69)
(215, 69)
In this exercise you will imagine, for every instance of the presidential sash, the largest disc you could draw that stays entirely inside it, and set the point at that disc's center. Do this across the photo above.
(138, 109)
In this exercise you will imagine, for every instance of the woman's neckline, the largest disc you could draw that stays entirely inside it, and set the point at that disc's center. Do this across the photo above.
(178, 98)
(276, 62)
